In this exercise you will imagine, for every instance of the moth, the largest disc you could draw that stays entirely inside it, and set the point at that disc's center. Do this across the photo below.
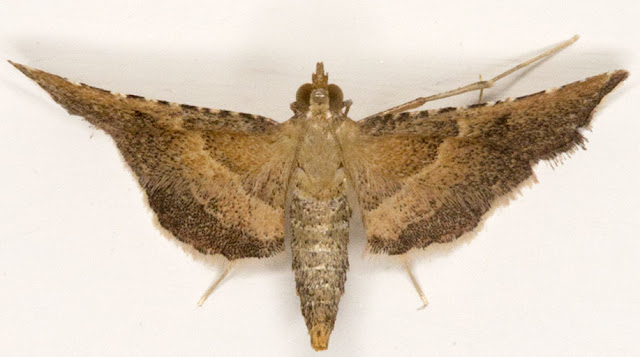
(223, 182)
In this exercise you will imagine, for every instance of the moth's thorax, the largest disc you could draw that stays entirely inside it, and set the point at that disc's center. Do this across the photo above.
(319, 157)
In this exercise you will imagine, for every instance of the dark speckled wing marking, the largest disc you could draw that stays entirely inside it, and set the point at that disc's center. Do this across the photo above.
(430, 176)
(215, 179)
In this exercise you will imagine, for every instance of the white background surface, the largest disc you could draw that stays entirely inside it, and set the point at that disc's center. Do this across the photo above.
(83, 270)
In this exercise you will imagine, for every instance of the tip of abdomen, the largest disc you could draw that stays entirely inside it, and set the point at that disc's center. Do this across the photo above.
(320, 337)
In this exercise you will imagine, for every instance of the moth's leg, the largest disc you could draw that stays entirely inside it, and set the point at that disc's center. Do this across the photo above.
(215, 284)
(480, 85)
(347, 106)
(481, 91)
(425, 302)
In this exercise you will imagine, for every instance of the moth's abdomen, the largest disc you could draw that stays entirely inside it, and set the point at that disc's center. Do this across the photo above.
(320, 233)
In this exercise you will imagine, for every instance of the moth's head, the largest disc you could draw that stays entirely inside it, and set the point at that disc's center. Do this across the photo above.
(319, 93)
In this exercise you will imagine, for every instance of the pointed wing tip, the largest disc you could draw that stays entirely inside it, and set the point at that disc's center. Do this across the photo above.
(619, 75)
(22, 68)
(615, 78)
(26, 70)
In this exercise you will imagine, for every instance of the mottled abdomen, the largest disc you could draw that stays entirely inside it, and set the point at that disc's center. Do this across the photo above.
(320, 233)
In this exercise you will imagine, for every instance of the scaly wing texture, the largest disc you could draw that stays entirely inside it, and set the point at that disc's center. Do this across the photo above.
(430, 176)
(215, 179)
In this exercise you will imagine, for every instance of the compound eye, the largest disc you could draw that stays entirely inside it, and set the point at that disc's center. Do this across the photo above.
(303, 95)
(335, 98)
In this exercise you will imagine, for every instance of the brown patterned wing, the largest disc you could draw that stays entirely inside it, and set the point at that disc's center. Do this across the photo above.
(430, 176)
(215, 179)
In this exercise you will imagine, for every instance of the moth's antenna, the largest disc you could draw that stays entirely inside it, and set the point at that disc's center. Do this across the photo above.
(418, 102)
